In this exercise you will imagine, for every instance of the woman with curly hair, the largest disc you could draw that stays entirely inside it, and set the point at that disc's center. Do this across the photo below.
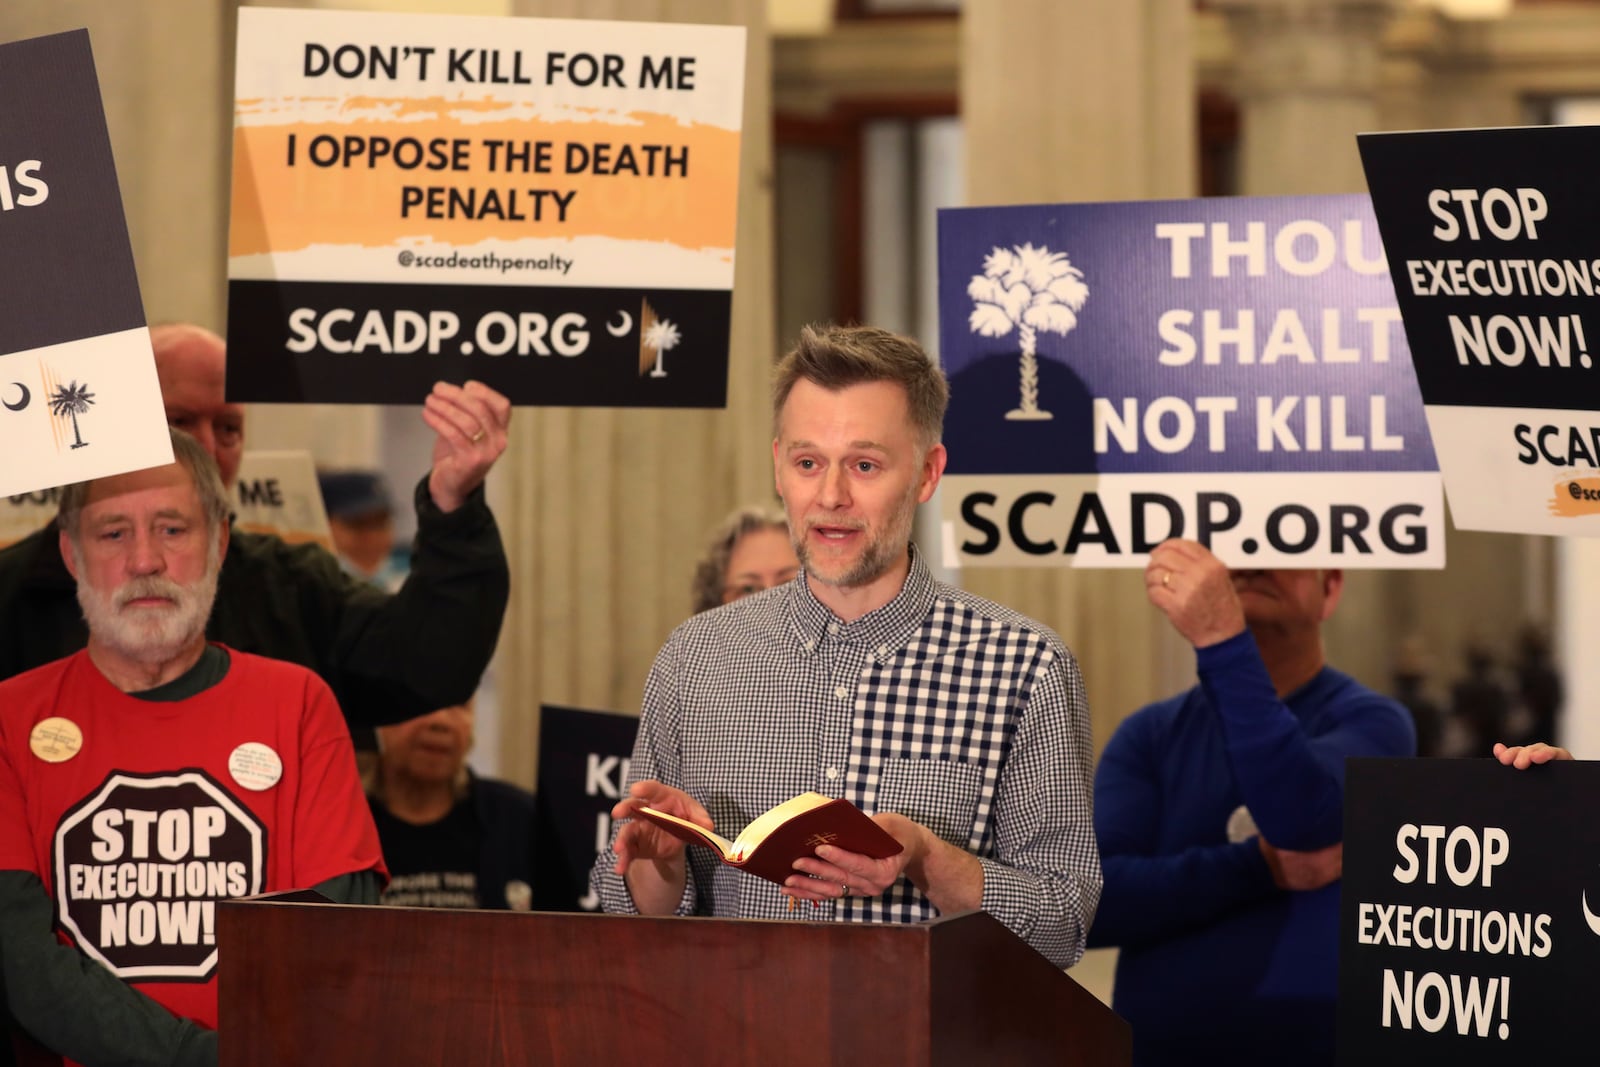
(749, 552)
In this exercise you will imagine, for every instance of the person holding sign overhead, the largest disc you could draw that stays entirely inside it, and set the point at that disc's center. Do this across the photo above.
(387, 657)
(154, 773)
(1219, 814)
(959, 725)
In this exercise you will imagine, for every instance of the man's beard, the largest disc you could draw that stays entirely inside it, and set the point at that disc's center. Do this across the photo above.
(878, 556)
(150, 636)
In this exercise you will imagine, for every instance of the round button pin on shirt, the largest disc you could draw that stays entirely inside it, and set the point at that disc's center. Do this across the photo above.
(255, 766)
(55, 740)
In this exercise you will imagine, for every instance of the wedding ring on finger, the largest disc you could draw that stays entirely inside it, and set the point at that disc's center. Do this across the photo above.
(844, 889)
(1166, 580)
(479, 436)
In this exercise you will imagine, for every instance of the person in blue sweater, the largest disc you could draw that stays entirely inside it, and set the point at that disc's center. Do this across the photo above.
(1219, 815)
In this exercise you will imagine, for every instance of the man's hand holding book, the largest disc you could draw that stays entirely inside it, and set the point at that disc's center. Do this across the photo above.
(652, 884)
(835, 873)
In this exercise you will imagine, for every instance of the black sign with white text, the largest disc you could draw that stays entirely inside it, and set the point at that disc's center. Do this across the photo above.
(1493, 239)
(140, 865)
(1466, 931)
(79, 396)
(583, 763)
(361, 343)
(66, 268)
(1493, 243)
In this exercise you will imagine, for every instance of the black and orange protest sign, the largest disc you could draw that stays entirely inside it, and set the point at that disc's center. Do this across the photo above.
(544, 205)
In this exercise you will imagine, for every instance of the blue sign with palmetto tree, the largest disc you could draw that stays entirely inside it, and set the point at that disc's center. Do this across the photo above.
(1164, 351)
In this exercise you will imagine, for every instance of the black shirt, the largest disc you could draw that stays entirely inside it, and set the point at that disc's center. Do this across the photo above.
(434, 865)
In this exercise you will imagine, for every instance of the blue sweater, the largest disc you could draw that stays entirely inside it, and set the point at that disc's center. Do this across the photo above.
(1218, 965)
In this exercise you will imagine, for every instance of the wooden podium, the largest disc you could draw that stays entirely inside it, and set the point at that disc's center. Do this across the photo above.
(375, 987)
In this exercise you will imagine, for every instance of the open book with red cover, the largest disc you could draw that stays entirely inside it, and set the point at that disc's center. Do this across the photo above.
(776, 838)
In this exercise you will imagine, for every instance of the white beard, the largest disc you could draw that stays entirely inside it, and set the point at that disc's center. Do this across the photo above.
(150, 635)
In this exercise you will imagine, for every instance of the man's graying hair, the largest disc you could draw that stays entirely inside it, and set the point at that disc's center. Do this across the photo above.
(195, 459)
(835, 357)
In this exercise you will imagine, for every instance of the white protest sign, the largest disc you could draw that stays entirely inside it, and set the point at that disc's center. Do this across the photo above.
(79, 397)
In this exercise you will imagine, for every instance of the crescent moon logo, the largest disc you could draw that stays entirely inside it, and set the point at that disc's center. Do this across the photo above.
(618, 331)
(20, 404)
(1590, 917)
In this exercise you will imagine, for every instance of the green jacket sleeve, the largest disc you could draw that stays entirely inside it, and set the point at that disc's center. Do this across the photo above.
(359, 887)
(74, 1006)
(387, 657)
(427, 646)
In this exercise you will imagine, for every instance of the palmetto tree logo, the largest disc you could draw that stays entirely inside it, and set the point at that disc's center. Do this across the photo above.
(1031, 289)
(72, 400)
(661, 336)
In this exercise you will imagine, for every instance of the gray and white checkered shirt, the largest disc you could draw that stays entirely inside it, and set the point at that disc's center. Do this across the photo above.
(944, 707)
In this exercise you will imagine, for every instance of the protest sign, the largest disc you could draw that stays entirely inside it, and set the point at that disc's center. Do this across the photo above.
(544, 205)
(1231, 371)
(275, 493)
(141, 864)
(1466, 932)
(1494, 240)
(23, 513)
(79, 397)
(583, 766)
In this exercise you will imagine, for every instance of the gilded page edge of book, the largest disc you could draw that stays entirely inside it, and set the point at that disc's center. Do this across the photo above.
(709, 838)
(757, 830)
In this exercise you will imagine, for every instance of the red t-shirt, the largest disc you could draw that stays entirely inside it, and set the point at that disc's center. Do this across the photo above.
(248, 787)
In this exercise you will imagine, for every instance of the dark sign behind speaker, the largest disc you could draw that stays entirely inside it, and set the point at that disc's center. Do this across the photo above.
(1467, 935)
(79, 397)
(583, 762)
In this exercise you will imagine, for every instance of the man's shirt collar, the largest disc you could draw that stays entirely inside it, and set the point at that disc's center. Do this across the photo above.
(884, 629)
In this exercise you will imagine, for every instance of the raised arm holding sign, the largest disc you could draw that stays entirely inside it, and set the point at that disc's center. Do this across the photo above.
(387, 657)
(1218, 814)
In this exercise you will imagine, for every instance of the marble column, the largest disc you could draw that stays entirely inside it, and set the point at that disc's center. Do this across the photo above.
(1078, 102)
(1310, 75)
(605, 511)
(1306, 74)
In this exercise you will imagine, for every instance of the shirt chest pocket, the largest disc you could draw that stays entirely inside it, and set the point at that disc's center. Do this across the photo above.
(940, 794)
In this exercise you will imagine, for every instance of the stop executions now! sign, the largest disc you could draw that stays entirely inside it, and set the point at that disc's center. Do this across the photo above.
(140, 865)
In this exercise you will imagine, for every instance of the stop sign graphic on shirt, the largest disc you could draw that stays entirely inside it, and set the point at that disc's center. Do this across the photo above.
(140, 864)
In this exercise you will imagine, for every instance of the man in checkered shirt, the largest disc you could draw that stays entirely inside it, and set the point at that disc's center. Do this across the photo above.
(959, 725)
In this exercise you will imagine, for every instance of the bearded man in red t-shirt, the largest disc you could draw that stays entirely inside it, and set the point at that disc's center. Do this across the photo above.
(153, 774)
